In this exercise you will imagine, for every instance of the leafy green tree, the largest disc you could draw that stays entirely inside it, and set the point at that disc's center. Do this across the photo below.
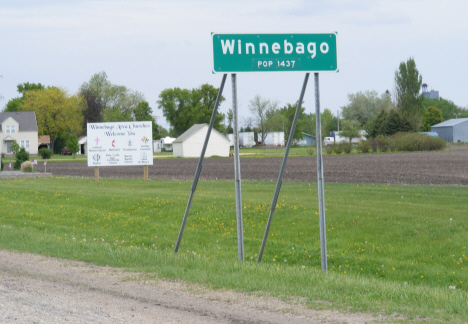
(447, 107)
(162, 132)
(143, 112)
(264, 112)
(112, 102)
(350, 129)
(276, 120)
(377, 126)
(13, 104)
(431, 116)
(396, 123)
(184, 108)
(25, 87)
(56, 112)
(329, 122)
(328, 119)
(288, 112)
(365, 106)
(73, 145)
(309, 123)
(93, 113)
(409, 99)
(230, 118)
(21, 156)
(14, 147)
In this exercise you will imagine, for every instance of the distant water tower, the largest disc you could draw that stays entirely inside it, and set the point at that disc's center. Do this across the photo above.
(429, 94)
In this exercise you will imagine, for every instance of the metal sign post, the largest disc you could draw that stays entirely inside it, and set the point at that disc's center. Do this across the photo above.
(321, 191)
(237, 174)
(280, 176)
(269, 53)
(200, 163)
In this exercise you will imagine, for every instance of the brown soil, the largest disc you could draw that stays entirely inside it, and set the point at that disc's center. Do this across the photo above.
(438, 168)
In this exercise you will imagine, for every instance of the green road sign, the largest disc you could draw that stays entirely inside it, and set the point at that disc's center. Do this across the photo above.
(274, 52)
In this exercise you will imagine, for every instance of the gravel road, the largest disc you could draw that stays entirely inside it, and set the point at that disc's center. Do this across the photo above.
(38, 289)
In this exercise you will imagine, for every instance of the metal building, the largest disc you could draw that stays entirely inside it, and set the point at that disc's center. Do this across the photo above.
(307, 140)
(452, 130)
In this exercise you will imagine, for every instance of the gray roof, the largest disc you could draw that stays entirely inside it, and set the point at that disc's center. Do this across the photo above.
(308, 135)
(26, 120)
(192, 130)
(451, 122)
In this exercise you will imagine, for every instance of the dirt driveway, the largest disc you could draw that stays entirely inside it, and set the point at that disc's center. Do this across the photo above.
(438, 168)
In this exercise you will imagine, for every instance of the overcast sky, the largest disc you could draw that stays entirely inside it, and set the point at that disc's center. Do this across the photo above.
(151, 45)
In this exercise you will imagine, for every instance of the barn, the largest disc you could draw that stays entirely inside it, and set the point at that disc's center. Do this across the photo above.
(452, 130)
(190, 143)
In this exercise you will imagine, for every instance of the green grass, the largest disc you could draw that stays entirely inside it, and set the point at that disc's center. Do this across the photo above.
(391, 249)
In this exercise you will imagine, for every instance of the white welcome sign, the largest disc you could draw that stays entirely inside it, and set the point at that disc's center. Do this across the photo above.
(120, 143)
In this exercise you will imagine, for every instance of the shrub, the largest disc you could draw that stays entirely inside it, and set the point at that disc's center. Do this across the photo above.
(17, 165)
(2, 164)
(21, 156)
(383, 143)
(347, 147)
(45, 153)
(407, 141)
(364, 146)
(392, 144)
(27, 167)
(418, 142)
(337, 148)
(15, 147)
(373, 144)
(329, 149)
(310, 151)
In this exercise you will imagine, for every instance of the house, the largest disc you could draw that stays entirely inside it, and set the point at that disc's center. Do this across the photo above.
(452, 130)
(190, 143)
(163, 144)
(19, 126)
(307, 140)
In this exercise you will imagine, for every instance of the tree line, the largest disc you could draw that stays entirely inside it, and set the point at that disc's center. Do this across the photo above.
(406, 110)
(64, 117)
(60, 114)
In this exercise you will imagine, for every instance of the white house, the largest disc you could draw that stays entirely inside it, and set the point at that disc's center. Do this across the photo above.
(19, 126)
(190, 143)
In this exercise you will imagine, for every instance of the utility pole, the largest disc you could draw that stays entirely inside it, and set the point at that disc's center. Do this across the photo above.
(338, 119)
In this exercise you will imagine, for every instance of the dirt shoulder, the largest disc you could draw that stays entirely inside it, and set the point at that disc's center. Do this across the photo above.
(38, 289)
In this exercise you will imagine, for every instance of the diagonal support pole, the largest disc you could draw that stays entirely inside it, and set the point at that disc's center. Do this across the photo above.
(280, 176)
(200, 163)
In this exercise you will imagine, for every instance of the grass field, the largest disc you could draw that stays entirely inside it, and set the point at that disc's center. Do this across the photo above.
(391, 249)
